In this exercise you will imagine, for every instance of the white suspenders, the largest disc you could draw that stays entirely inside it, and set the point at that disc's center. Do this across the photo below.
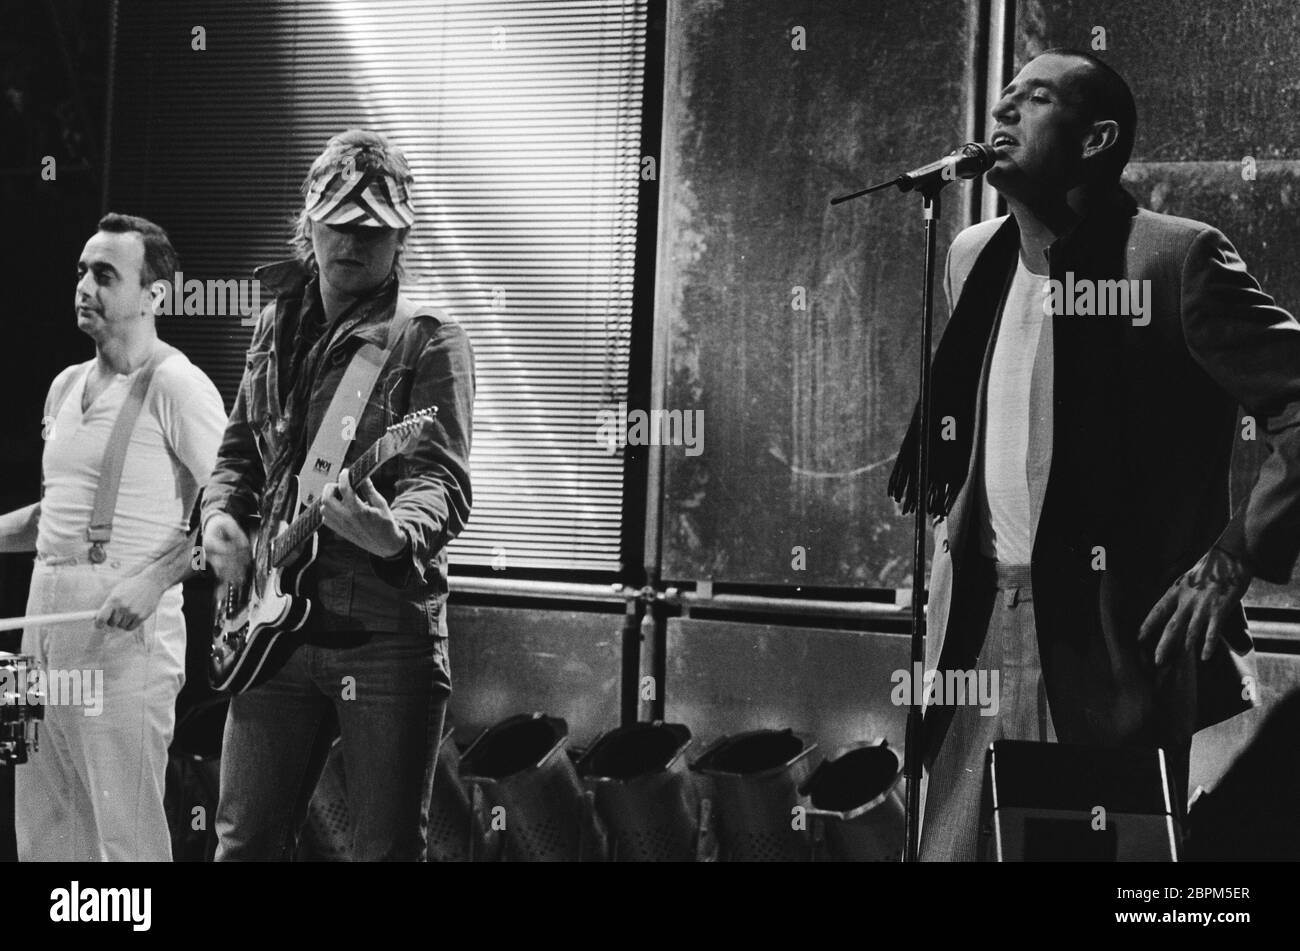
(100, 532)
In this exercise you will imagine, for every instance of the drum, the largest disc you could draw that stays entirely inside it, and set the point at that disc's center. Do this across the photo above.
(22, 707)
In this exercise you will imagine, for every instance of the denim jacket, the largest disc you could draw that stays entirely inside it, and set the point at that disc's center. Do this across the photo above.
(427, 486)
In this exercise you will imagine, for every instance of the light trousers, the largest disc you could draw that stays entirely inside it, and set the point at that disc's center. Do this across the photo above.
(952, 805)
(94, 789)
(950, 828)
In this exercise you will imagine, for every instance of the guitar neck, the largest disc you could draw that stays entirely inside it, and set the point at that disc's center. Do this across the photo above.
(283, 546)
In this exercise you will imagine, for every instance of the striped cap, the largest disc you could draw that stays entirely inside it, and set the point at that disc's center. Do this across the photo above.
(368, 198)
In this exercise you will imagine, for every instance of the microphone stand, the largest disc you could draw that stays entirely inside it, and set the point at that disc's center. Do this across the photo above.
(929, 193)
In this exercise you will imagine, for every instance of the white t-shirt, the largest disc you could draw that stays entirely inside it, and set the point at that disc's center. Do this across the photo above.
(1006, 530)
(172, 454)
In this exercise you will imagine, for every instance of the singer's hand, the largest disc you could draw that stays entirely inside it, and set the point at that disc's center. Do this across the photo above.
(1197, 610)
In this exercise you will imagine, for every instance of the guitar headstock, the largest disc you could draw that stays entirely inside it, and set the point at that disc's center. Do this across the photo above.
(429, 412)
(399, 435)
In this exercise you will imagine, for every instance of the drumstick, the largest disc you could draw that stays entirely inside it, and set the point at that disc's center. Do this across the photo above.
(37, 620)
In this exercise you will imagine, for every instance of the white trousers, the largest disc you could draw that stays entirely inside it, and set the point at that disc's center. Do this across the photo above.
(94, 790)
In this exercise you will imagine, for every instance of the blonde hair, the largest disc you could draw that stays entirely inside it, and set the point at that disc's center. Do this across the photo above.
(365, 150)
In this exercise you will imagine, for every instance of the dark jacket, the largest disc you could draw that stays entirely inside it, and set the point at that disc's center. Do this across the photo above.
(427, 486)
(1142, 424)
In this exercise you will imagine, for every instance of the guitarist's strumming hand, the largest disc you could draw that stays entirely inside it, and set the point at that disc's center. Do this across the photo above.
(361, 517)
(226, 548)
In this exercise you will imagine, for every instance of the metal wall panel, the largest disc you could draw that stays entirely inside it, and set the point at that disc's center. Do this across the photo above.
(725, 677)
(512, 660)
(802, 409)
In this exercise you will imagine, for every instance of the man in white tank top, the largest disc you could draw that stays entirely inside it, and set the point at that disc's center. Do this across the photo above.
(94, 789)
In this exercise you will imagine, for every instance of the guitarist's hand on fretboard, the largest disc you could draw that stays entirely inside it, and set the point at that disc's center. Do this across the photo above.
(250, 617)
(361, 517)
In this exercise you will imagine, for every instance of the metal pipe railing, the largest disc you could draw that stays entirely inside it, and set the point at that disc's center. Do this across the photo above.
(561, 590)
(745, 603)
(876, 610)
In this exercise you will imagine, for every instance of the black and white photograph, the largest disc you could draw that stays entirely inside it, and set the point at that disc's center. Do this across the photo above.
(610, 432)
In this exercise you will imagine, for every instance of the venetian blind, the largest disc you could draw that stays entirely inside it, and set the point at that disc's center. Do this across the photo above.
(521, 122)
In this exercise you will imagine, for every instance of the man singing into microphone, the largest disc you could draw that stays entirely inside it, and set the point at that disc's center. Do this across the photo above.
(1085, 546)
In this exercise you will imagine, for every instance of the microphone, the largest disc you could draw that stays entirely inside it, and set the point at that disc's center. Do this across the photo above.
(970, 161)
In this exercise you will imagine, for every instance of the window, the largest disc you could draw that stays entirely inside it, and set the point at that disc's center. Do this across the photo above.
(522, 125)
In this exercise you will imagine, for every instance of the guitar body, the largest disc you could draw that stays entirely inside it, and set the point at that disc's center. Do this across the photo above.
(249, 618)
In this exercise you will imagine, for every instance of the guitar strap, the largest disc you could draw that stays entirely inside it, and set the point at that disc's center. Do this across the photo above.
(100, 532)
(325, 455)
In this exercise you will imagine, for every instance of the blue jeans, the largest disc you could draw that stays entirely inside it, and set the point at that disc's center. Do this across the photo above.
(386, 696)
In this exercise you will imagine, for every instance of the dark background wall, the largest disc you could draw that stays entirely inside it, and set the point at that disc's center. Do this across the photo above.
(195, 147)
(53, 78)
(52, 89)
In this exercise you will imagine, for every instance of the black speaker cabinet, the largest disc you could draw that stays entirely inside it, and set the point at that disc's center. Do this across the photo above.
(1251, 814)
(1056, 802)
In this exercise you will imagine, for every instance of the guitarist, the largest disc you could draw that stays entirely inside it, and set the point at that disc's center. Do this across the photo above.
(371, 662)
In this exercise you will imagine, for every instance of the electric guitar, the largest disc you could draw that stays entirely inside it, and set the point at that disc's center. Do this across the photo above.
(250, 617)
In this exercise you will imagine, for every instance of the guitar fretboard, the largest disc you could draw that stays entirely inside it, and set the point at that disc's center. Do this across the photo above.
(309, 519)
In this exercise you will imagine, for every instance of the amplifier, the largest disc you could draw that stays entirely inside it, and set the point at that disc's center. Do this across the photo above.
(1057, 802)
